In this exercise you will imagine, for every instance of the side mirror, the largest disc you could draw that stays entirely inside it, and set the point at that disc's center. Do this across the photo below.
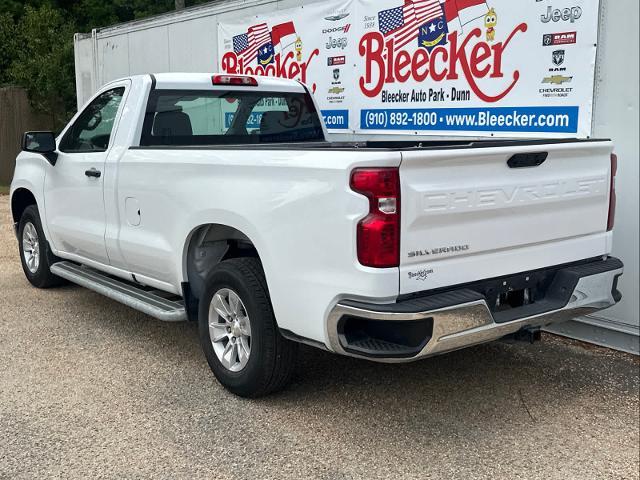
(41, 142)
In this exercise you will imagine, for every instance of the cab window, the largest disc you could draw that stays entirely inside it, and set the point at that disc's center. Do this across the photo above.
(91, 131)
(189, 118)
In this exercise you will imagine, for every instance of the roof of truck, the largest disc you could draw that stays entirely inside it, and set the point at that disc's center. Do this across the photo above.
(200, 81)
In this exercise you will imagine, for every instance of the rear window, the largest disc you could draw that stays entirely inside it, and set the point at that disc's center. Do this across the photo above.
(184, 118)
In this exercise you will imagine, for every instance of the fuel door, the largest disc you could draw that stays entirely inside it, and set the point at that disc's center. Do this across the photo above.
(132, 211)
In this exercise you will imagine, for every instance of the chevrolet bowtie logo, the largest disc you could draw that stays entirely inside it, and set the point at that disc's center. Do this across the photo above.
(557, 79)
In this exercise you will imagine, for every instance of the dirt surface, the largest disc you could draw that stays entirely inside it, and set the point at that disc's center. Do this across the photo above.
(91, 389)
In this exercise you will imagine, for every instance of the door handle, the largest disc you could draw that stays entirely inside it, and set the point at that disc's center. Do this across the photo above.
(92, 172)
(523, 160)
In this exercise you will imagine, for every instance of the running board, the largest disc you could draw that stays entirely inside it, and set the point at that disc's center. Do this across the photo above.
(120, 291)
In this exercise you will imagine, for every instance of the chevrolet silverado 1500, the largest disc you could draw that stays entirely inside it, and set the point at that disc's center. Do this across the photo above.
(218, 199)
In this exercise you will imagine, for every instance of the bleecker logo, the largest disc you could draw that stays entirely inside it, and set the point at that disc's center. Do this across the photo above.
(475, 60)
(566, 14)
(254, 53)
(552, 39)
(422, 274)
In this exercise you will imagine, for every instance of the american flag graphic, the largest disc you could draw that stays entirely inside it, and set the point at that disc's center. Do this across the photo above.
(402, 23)
(246, 45)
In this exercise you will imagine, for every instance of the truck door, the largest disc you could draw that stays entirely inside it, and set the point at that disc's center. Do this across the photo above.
(74, 199)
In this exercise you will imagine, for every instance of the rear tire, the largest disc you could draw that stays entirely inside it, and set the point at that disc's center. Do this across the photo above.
(35, 255)
(238, 331)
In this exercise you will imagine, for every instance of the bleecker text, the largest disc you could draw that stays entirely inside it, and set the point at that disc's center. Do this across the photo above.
(285, 67)
(384, 64)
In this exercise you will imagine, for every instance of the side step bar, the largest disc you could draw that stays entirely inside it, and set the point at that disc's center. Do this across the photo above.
(126, 293)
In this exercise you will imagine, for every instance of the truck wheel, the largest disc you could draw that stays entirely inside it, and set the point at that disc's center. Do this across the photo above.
(238, 331)
(35, 256)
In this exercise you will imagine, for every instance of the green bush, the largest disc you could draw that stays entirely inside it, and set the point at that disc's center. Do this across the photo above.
(36, 44)
(43, 61)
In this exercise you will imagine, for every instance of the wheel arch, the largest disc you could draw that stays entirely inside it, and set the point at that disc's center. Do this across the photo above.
(209, 244)
(21, 198)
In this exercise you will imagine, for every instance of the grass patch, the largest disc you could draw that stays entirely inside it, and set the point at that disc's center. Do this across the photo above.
(4, 190)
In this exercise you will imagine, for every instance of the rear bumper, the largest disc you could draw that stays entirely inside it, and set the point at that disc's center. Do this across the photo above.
(450, 320)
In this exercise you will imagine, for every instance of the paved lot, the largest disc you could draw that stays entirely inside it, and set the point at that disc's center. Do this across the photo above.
(89, 388)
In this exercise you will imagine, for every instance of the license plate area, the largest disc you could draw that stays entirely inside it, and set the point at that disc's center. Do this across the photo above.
(513, 299)
(507, 296)
(516, 291)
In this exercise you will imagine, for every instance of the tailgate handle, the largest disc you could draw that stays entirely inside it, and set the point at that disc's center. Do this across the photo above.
(522, 160)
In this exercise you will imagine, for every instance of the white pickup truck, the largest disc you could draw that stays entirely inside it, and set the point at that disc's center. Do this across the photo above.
(216, 198)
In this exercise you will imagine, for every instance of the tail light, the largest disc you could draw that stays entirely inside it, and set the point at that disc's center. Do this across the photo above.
(240, 80)
(378, 234)
(612, 192)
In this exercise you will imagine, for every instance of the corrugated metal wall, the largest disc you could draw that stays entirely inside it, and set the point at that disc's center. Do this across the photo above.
(184, 41)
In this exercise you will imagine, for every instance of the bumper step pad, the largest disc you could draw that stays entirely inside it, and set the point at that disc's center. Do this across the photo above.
(375, 346)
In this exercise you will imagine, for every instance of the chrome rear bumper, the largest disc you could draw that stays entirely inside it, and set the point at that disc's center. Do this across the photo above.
(470, 323)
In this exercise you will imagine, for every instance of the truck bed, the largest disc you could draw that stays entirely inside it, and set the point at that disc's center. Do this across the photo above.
(398, 145)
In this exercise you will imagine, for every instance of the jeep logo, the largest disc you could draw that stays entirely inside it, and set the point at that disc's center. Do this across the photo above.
(566, 14)
(340, 43)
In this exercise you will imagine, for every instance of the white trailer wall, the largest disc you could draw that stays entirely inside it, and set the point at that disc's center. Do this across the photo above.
(616, 116)
(186, 41)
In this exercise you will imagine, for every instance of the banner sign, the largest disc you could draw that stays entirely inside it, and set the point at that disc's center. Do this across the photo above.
(431, 67)
(311, 44)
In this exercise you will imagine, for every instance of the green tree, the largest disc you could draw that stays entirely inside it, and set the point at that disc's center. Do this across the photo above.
(36, 43)
(89, 14)
(43, 63)
(15, 8)
(8, 46)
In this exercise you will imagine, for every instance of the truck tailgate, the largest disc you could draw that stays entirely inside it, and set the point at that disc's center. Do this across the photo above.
(468, 215)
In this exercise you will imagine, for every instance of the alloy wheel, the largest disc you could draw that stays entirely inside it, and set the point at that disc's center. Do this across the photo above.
(31, 247)
(230, 329)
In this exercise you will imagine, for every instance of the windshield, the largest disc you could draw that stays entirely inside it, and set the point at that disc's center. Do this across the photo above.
(183, 118)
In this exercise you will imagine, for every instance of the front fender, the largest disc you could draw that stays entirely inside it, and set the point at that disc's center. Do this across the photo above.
(29, 174)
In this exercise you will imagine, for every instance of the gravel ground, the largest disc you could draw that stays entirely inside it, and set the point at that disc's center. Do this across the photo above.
(89, 389)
